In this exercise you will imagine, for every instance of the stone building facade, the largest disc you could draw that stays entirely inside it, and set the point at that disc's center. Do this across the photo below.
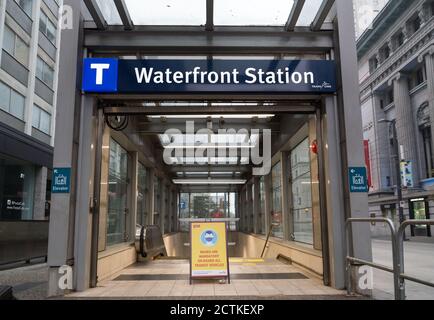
(396, 72)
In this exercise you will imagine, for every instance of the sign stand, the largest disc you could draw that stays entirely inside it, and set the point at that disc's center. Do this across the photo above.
(209, 257)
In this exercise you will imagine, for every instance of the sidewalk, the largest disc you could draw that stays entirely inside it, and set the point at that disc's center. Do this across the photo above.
(29, 283)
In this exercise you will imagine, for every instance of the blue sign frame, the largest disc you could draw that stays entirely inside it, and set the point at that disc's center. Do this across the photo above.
(358, 179)
(61, 180)
(210, 76)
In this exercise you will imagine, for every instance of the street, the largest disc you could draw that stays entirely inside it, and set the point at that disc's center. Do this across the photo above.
(419, 262)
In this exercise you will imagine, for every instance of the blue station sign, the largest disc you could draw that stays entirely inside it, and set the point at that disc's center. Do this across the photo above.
(101, 75)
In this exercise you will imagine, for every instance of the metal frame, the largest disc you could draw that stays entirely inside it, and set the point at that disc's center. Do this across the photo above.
(293, 18)
(96, 14)
(322, 14)
(398, 255)
(296, 10)
(124, 14)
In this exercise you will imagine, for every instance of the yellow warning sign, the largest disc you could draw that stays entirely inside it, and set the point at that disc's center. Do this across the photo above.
(209, 256)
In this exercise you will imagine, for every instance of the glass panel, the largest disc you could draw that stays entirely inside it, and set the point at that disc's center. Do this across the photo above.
(167, 12)
(21, 51)
(110, 12)
(17, 105)
(184, 211)
(45, 123)
(142, 215)
(5, 97)
(26, 5)
(252, 12)
(308, 14)
(302, 193)
(17, 182)
(262, 205)
(36, 117)
(276, 212)
(9, 41)
(117, 194)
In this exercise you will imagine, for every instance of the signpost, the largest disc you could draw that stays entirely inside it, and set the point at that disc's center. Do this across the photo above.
(209, 251)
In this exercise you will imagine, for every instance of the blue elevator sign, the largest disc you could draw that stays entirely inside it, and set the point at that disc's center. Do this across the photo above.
(358, 180)
(208, 76)
(61, 180)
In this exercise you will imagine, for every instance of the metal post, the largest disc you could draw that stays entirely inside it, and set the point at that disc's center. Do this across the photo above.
(397, 159)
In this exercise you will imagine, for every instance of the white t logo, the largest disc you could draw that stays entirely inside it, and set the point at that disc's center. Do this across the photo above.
(99, 67)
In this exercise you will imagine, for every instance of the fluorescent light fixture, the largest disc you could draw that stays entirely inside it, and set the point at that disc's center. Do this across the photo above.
(209, 181)
(214, 116)
(210, 146)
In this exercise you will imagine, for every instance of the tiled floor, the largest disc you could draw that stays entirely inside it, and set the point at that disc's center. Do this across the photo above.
(122, 288)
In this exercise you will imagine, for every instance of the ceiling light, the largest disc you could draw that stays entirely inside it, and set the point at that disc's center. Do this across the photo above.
(209, 181)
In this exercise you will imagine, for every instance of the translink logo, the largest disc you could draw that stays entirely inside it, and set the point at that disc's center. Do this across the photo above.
(100, 75)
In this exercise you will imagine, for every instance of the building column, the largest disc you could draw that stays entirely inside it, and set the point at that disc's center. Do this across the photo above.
(404, 123)
(256, 205)
(40, 193)
(428, 59)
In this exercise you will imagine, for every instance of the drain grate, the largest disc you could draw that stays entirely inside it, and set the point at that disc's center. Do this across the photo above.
(238, 276)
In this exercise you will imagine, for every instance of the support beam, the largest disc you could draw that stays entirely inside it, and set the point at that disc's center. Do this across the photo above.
(182, 40)
(322, 14)
(160, 128)
(95, 12)
(209, 15)
(294, 15)
(295, 109)
(124, 14)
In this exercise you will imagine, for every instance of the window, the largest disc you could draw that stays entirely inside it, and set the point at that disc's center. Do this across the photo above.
(157, 200)
(400, 39)
(117, 195)
(276, 195)
(41, 120)
(302, 193)
(16, 46)
(47, 28)
(11, 101)
(44, 72)
(26, 5)
(142, 214)
(17, 186)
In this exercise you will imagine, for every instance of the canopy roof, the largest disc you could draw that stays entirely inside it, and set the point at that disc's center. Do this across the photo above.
(289, 14)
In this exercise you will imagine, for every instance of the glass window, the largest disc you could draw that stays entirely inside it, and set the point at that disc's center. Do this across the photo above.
(17, 188)
(17, 105)
(117, 195)
(16, 46)
(142, 214)
(252, 12)
(302, 193)
(184, 210)
(164, 12)
(157, 201)
(44, 72)
(11, 101)
(26, 5)
(41, 120)
(5, 97)
(276, 195)
(47, 27)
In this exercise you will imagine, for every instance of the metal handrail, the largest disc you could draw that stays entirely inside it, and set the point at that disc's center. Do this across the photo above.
(397, 237)
(400, 242)
(353, 260)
